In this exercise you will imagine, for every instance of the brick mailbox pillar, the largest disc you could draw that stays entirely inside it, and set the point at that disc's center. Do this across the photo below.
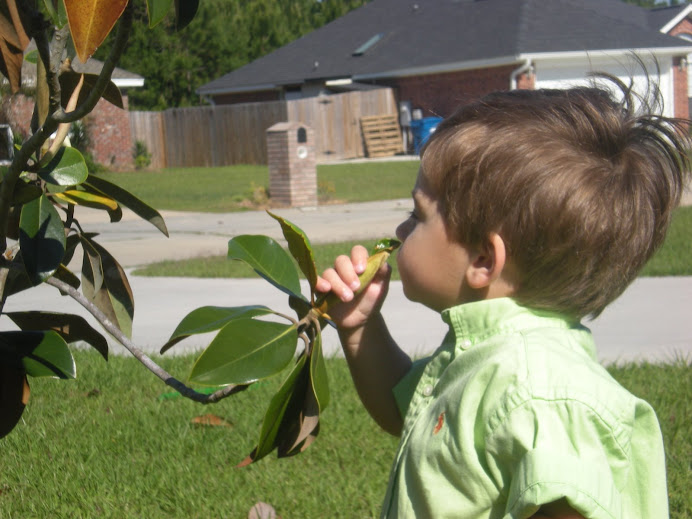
(292, 167)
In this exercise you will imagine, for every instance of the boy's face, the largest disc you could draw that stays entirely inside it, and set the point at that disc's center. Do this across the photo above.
(431, 263)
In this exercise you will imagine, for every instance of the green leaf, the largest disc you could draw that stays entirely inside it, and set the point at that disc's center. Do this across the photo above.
(115, 214)
(50, 358)
(14, 395)
(185, 11)
(42, 353)
(66, 169)
(130, 201)
(157, 10)
(91, 264)
(318, 374)
(25, 192)
(77, 197)
(245, 350)
(300, 429)
(268, 259)
(41, 239)
(291, 389)
(70, 327)
(66, 276)
(114, 298)
(31, 57)
(57, 14)
(69, 80)
(299, 245)
(211, 318)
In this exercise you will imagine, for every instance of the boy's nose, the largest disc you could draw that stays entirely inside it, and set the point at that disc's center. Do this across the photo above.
(402, 231)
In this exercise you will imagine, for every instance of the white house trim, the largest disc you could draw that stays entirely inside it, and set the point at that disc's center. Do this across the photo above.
(680, 17)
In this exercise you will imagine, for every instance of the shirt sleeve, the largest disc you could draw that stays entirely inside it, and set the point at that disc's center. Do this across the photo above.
(547, 450)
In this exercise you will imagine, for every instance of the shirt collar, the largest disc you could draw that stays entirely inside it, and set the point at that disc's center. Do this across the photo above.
(474, 322)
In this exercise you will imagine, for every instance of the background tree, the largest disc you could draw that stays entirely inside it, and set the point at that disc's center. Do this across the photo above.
(225, 35)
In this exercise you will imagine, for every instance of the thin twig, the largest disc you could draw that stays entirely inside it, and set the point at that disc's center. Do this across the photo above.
(157, 370)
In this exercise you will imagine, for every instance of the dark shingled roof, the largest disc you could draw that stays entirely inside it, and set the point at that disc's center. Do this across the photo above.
(428, 33)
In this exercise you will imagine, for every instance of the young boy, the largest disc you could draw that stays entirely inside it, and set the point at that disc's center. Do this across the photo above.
(533, 210)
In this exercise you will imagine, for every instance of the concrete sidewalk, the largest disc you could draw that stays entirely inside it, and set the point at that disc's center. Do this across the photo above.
(650, 321)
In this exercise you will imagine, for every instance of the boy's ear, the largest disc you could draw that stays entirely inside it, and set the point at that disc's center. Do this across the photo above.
(487, 263)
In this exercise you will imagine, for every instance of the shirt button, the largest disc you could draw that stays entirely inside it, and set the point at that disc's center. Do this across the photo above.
(427, 390)
(466, 344)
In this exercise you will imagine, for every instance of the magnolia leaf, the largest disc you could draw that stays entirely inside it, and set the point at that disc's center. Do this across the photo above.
(210, 318)
(67, 168)
(76, 197)
(130, 201)
(69, 79)
(114, 298)
(185, 11)
(90, 22)
(14, 394)
(318, 374)
(275, 413)
(299, 245)
(56, 12)
(157, 10)
(51, 357)
(66, 276)
(268, 259)
(41, 353)
(70, 327)
(115, 214)
(92, 268)
(13, 42)
(41, 239)
(301, 432)
(245, 350)
(25, 192)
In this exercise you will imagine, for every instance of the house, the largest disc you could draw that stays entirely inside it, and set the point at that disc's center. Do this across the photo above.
(108, 125)
(437, 54)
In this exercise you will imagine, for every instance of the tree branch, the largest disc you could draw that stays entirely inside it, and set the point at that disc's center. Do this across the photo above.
(157, 370)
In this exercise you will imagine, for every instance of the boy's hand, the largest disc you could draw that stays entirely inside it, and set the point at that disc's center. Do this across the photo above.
(342, 280)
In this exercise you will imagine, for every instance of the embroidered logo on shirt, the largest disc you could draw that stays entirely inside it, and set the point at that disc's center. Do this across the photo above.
(440, 423)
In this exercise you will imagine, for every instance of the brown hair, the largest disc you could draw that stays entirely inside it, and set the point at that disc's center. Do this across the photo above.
(580, 187)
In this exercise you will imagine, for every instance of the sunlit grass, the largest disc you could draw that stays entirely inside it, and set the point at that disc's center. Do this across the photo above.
(117, 442)
(243, 187)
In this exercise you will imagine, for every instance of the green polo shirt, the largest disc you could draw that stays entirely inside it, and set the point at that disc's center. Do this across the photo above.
(513, 411)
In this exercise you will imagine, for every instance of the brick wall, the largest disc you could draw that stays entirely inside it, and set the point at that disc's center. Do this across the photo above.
(680, 75)
(680, 101)
(108, 128)
(441, 94)
(110, 138)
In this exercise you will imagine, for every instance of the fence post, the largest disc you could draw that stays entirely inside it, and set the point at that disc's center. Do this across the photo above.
(292, 165)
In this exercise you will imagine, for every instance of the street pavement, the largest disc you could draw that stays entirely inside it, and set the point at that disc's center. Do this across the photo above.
(649, 322)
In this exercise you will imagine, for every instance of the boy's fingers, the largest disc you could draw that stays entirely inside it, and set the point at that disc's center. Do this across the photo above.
(337, 285)
(359, 258)
(346, 269)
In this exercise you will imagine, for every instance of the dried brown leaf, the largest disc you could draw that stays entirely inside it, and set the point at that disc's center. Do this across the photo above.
(211, 420)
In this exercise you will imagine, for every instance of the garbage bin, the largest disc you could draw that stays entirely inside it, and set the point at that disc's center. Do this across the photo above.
(422, 129)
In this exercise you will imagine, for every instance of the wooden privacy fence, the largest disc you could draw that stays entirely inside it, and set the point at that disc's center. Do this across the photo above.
(235, 134)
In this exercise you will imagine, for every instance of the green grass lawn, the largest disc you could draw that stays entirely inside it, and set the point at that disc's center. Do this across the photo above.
(673, 259)
(243, 187)
(116, 443)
